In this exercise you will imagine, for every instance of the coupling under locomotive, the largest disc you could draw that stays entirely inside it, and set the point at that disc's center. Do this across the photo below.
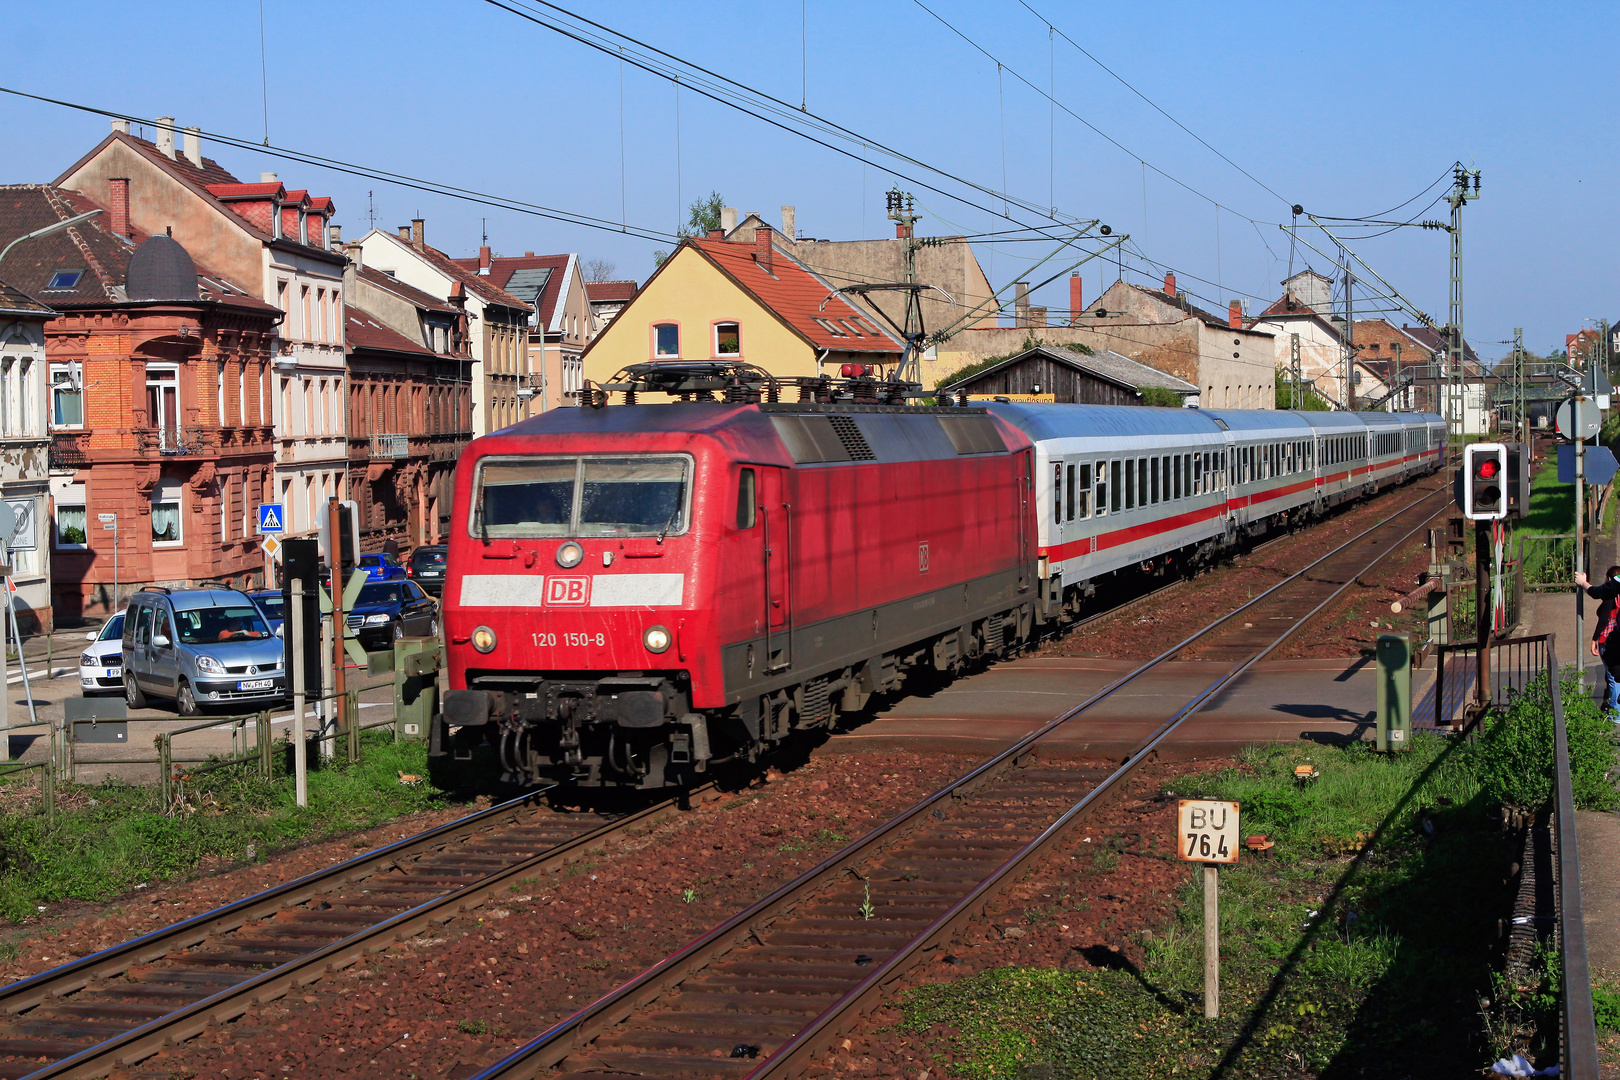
(635, 592)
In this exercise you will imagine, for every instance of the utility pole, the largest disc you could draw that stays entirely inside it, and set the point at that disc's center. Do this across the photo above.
(1349, 338)
(1294, 371)
(1521, 423)
(1464, 189)
(1395, 376)
(903, 211)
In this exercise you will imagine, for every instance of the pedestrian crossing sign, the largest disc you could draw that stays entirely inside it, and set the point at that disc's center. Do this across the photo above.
(271, 518)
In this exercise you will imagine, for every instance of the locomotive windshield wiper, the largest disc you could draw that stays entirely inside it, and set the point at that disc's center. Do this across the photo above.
(673, 514)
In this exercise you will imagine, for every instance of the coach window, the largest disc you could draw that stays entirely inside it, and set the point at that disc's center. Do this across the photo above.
(1178, 466)
(1071, 494)
(1141, 481)
(1057, 493)
(1152, 486)
(1102, 488)
(1113, 499)
(1166, 467)
(1198, 460)
(1130, 485)
(1080, 501)
(747, 504)
(1186, 475)
(666, 340)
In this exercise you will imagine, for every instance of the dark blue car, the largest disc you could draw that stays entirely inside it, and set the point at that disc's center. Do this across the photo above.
(387, 610)
(381, 567)
(269, 601)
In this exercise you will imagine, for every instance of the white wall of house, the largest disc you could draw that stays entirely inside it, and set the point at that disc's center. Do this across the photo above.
(24, 468)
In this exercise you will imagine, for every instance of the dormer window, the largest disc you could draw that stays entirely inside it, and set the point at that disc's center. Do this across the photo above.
(65, 279)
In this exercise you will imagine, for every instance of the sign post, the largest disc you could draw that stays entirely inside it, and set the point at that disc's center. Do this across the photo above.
(1207, 832)
(295, 648)
(109, 523)
(272, 524)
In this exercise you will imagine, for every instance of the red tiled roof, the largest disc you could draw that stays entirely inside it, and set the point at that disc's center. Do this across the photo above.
(798, 297)
(1290, 305)
(409, 293)
(606, 291)
(366, 332)
(502, 267)
(321, 202)
(12, 299)
(490, 294)
(102, 256)
(244, 191)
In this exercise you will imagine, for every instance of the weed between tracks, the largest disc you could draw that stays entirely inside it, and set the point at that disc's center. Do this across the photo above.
(1365, 944)
(114, 837)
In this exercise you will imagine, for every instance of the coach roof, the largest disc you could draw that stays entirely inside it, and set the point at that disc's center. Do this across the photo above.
(1102, 421)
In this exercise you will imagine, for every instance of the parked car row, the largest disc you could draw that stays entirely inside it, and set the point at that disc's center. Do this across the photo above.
(219, 646)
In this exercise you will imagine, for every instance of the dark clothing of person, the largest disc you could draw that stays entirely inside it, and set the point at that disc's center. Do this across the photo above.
(1608, 597)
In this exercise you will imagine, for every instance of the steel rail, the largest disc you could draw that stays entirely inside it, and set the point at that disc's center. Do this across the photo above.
(130, 1047)
(1579, 1042)
(577, 1031)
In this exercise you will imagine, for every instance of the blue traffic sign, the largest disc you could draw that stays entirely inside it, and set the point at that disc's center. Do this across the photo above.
(272, 519)
(1598, 468)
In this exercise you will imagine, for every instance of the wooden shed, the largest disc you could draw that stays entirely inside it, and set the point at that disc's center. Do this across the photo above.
(1060, 375)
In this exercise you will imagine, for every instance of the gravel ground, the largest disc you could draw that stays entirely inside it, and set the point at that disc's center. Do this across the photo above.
(1071, 911)
(491, 979)
(1167, 621)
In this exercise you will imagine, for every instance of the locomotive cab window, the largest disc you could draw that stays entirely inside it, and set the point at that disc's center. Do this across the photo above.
(747, 504)
(546, 496)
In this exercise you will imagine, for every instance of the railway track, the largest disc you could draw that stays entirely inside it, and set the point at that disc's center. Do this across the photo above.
(776, 985)
(118, 1006)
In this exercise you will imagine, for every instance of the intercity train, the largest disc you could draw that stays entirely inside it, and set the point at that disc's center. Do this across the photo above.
(635, 593)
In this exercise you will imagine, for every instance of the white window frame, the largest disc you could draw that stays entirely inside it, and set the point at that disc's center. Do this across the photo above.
(74, 385)
(165, 493)
(71, 498)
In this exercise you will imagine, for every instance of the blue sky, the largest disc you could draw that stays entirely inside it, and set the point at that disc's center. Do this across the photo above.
(1346, 109)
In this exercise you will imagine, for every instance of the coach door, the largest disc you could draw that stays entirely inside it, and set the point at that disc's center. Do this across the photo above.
(776, 516)
(1025, 492)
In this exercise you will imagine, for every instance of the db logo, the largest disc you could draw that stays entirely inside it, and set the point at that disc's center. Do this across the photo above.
(567, 590)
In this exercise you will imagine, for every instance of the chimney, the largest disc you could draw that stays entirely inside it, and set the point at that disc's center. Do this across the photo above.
(193, 150)
(1170, 284)
(728, 218)
(763, 252)
(1021, 303)
(405, 233)
(1234, 314)
(1077, 300)
(717, 234)
(418, 233)
(483, 260)
(1037, 316)
(119, 205)
(165, 136)
(269, 178)
(788, 223)
(120, 127)
(357, 254)
(334, 237)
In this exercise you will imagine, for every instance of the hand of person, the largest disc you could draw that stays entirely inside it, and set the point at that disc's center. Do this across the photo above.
(1594, 648)
(1580, 578)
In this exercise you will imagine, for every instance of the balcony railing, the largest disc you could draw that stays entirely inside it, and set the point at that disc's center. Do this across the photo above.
(67, 451)
(390, 446)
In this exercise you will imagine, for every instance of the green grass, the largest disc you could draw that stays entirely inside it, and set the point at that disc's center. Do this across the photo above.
(97, 852)
(1362, 946)
(1552, 504)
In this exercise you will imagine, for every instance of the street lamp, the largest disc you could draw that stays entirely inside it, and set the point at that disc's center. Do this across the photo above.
(46, 231)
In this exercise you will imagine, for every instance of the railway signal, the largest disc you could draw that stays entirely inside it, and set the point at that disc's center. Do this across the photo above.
(1484, 482)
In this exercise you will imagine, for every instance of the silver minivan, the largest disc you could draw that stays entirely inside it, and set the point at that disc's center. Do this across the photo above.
(200, 647)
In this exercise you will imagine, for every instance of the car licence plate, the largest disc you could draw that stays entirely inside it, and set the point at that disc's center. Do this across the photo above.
(256, 684)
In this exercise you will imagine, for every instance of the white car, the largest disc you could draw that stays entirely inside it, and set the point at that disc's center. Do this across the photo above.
(101, 666)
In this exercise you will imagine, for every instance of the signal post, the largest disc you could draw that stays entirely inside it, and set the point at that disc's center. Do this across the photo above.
(1484, 501)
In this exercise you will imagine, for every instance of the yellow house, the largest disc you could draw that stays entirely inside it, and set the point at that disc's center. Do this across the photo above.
(752, 303)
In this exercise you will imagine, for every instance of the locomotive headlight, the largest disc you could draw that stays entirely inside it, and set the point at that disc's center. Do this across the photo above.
(656, 639)
(569, 555)
(483, 639)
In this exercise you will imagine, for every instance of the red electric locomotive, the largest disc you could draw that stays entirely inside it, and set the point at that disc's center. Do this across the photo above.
(635, 592)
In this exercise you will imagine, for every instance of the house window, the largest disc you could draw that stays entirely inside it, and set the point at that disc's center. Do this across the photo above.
(163, 403)
(67, 399)
(303, 295)
(72, 526)
(167, 527)
(666, 339)
(727, 339)
(65, 279)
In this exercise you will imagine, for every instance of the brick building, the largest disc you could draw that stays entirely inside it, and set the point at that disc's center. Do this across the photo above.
(410, 407)
(160, 376)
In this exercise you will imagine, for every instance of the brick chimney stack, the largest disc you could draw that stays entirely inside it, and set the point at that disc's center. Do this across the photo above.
(728, 218)
(165, 136)
(763, 252)
(1077, 299)
(717, 234)
(120, 126)
(418, 234)
(405, 233)
(1021, 303)
(483, 260)
(357, 254)
(1170, 284)
(1234, 314)
(119, 205)
(334, 237)
(788, 226)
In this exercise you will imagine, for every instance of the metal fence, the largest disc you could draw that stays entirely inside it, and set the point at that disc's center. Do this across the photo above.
(1579, 1035)
(1514, 664)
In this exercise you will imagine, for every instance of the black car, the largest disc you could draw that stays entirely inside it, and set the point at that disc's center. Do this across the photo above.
(387, 610)
(426, 567)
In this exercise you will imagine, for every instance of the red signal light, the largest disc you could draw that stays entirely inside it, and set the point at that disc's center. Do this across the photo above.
(1486, 468)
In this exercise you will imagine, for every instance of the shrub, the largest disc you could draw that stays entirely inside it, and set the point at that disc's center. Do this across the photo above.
(1514, 758)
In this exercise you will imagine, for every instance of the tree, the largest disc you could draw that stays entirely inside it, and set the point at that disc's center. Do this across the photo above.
(703, 215)
(598, 270)
(1311, 400)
